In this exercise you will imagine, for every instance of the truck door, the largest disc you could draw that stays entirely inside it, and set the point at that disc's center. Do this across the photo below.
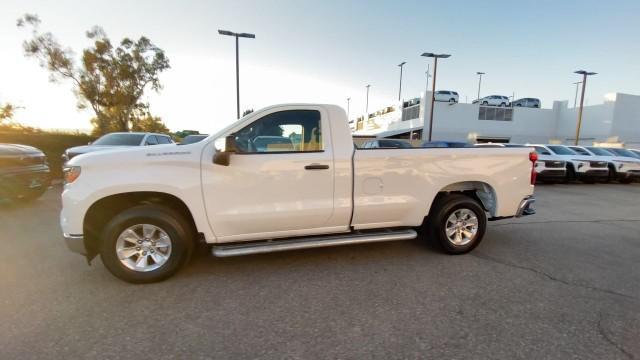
(279, 183)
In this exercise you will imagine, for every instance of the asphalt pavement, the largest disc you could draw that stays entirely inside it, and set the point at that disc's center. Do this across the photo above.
(564, 283)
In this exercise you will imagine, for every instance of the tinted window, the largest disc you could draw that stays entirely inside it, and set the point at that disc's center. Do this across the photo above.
(622, 152)
(454, 93)
(600, 151)
(119, 139)
(561, 150)
(284, 131)
(163, 140)
(542, 151)
(580, 151)
(151, 140)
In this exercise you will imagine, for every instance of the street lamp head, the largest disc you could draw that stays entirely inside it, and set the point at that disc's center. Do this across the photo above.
(440, 56)
(247, 35)
(402, 63)
(584, 72)
(368, 85)
(226, 32)
(479, 73)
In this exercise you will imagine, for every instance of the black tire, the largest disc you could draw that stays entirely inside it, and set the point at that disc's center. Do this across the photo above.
(519, 105)
(444, 207)
(613, 174)
(503, 105)
(485, 103)
(172, 223)
(571, 175)
(452, 100)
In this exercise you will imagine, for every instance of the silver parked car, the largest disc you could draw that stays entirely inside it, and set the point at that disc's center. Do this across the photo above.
(527, 102)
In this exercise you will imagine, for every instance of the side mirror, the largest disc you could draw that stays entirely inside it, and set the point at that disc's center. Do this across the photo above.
(224, 157)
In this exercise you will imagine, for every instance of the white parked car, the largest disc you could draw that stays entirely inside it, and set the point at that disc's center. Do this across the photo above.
(493, 100)
(625, 170)
(579, 167)
(282, 178)
(117, 140)
(446, 96)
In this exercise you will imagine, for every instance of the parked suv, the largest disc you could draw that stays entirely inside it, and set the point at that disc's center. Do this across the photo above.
(117, 140)
(625, 170)
(578, 167)
(527, 102)
(446, 95)
(493, 100)
(386, 144)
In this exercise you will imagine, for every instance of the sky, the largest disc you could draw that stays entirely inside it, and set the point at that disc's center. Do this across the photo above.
(327, 51)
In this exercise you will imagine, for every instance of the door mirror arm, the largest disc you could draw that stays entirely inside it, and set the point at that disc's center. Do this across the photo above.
(224, 157)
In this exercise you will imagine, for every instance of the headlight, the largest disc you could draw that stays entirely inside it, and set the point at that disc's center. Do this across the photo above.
(71, 173)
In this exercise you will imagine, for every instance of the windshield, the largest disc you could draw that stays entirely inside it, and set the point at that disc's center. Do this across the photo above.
(120, 139)
(600, 151)
(561, 150)
(624, 152)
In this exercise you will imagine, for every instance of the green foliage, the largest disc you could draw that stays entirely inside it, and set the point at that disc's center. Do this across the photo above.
(111, 80)
(247, 112)
(184, 133)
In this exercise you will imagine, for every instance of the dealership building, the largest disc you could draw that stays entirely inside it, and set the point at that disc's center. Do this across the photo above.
(615, 121)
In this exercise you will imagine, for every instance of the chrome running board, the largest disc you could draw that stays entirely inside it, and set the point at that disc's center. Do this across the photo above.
(237, 249)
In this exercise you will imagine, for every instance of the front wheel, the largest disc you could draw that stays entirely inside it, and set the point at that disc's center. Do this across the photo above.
(457, 222)
(146, 243)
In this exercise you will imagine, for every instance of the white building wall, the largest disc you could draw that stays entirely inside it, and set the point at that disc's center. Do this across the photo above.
(459, 122)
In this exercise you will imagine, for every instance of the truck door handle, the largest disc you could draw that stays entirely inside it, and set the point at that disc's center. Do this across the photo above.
(316, 167)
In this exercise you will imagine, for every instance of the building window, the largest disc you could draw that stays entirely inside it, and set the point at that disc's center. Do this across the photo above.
(495, 113)
(411, 112)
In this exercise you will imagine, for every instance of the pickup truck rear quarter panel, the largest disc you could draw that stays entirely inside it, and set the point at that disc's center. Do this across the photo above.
(396, 187)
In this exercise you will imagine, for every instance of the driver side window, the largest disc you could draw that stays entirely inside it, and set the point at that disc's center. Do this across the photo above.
(283, 131)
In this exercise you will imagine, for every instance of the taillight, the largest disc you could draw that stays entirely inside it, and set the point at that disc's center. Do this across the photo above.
(533, 157)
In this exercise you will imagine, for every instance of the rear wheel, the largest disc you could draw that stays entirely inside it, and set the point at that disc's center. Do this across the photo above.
(571, 174)
(146, 243)
(457, 222)
(485, 103)
(452, 100)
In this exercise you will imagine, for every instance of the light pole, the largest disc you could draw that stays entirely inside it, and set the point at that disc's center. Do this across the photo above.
(366, 109)
(584, 85)
(348, 101)
(479, 73)
(237, 35)
(400, 90)
(575, 99)
(428, 75)
(433, 85)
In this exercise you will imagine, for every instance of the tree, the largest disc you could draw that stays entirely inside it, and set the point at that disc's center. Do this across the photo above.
(6, 119)
(111, 80)
(150, 123)
(247, 112)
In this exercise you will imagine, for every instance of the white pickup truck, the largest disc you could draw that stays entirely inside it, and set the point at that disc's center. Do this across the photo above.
(285, 177)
